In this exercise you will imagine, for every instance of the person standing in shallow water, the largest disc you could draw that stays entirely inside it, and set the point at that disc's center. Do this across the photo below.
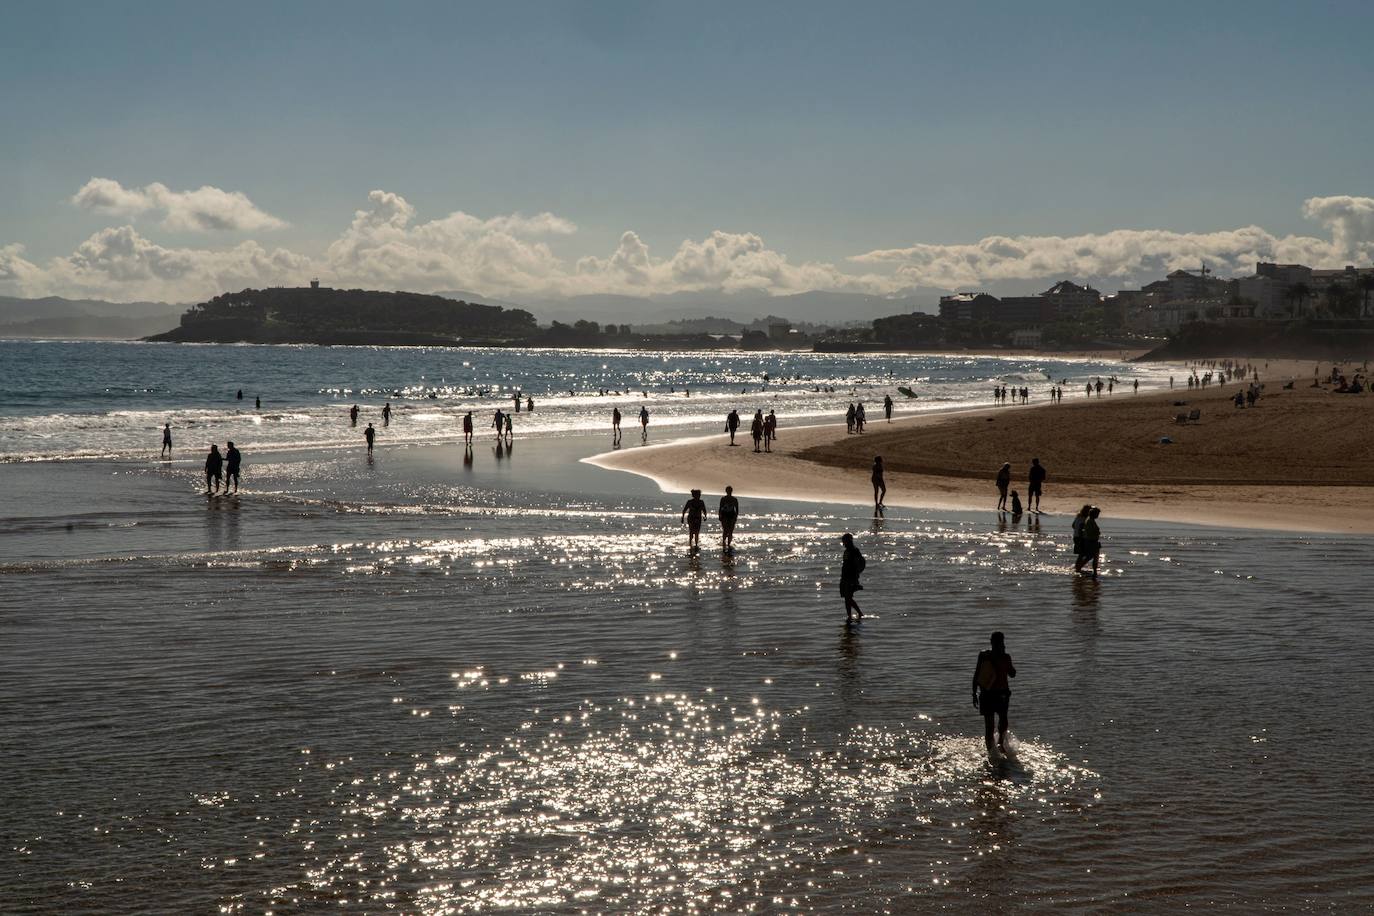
(353, 415)
(214, 468)
(887, 407)
(386, 414)
(467, 428)
(851, 567)
(992, 690)
(1092, 542)
(166, 440)
(692, 514)
(728, 513)
(644, 423)
(1003, 482)
(233, 460)
(615, 424)
(370, 435)
(1036, 477)
(879, 484)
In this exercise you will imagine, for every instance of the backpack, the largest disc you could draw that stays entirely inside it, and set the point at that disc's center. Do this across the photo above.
(987, 671)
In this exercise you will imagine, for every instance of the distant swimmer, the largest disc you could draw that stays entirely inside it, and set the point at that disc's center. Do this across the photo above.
(879, 484)
(756, 429)
(353, 415)
(370, 435)
(732, 424)
(233, 461)
(693, 511)
(386, 414)
(1092, 542)
(615, 424)
(467, 428)
(166, 440)
(1003, 482)
(643, 422)
(214, 466)
(991, 690)
(728, 513)
(1036, 476)
(257, 403)
(887, 407)
(850, 569)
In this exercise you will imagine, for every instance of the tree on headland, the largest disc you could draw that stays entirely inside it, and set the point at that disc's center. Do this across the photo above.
(1341, 301)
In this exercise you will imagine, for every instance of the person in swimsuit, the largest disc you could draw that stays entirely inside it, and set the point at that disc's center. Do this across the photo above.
(167, 440)
(353, 415)
(887, 406)
(850, 569)
(770, 430)
(879, 485)
(756, 429)
(370, 435)
(732, 424)
(508, 426)
(615, 424)
(692, 514)
(386, 414)
(1092, 542)
(644, 423)
(232, 462)
(214, 465)
(991, 690)
(467, 428)
(728, 513)
(1003, 482)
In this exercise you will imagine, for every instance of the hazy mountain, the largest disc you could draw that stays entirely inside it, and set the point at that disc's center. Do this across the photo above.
(53, 316)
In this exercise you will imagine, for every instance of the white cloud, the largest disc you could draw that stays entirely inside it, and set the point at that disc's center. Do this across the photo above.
(206, 209)
(1132, 255)
(512, 256)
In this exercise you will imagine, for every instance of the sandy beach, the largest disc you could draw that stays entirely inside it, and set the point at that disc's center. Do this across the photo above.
(1297, 461)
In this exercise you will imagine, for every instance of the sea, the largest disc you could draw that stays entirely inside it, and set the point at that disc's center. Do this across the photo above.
(447, 680)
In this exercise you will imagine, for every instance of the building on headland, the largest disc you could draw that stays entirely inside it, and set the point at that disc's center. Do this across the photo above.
(1069, 300)
(969, 307)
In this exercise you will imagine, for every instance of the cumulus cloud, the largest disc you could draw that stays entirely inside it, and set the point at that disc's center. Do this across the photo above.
(385, 246)
(206, 209)
(119, 263)
(1130, 255)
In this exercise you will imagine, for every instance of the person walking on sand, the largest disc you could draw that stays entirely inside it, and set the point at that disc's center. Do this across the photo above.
(214, 467)
(615, 424)
(233, 460)
(849, 418)
(887, 407)
(859, 417)
(643, 423)
(851, 567)
(1092, 542)
(770, 430)
(728, 513)
(166, 440)
(508, 427)
(1036, 477)
(499, 422)
(370, 435)
(992, 690)
(1003, 482)
(386, 414)
(756, 429)
(353, 415)
(732, 424)
(693, 511)
(879, 484)
(467, 428)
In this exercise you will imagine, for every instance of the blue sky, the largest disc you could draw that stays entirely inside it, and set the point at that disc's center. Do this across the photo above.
(826, 131)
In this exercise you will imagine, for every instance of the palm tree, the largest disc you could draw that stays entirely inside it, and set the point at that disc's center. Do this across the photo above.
(1298, 295)
(1340, 300)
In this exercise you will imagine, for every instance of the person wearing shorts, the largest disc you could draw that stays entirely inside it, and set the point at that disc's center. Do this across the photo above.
(728, 513)
(692, 514)
(991, 689)
(1036, 480)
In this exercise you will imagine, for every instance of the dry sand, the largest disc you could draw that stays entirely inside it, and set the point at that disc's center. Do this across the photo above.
(1301, 460)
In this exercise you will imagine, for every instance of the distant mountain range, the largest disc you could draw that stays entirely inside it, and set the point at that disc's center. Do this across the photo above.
(816, 307)
(53, 316)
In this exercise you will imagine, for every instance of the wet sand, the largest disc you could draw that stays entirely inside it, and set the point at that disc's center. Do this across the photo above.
(1298, 461)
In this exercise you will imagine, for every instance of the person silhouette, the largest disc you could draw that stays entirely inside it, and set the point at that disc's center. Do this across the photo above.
(728, 513)
(851, 567)
(879, 484)
(166, 440)
(214, 465)
(693, 511)
(991, 690)
(370, 435)
(232, 462)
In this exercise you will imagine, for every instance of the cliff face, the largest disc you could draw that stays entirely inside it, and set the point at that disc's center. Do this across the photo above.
(1340, 339)
(353, 316)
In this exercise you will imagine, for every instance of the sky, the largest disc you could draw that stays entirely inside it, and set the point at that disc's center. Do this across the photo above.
(525, 150)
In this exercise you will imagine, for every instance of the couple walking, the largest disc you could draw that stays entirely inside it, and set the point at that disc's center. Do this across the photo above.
(694, 513)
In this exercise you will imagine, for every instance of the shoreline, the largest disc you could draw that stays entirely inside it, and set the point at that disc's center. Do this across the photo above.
(824, 464)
